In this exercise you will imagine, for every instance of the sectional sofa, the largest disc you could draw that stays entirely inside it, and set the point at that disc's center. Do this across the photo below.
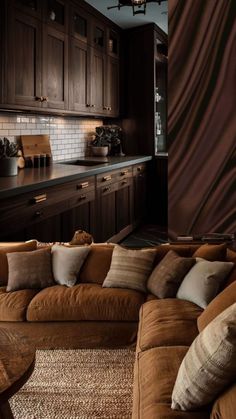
(89, 316)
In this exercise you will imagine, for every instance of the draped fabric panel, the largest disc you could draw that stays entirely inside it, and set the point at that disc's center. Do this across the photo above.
(202, 117)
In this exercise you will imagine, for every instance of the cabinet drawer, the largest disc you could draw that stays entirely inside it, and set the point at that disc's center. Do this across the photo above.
(106, 178)
(124, 173)
(82, 197)
(106, 189)
(124, 183)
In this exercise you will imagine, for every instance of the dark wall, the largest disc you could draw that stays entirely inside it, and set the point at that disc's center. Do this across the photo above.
(202, 116)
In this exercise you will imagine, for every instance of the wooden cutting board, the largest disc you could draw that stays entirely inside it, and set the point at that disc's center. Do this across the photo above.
(35, 144)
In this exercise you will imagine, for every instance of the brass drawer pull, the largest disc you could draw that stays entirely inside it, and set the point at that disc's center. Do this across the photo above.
(124, 172)
(83, 185)
(82, 197)
(124, 182)
(106, 189)
(38, 214)
(39, 198)
(106, 178)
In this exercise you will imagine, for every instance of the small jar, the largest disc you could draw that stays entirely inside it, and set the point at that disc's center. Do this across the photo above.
(37, 160)
(42, 160)
(29, 162)
(48, 159)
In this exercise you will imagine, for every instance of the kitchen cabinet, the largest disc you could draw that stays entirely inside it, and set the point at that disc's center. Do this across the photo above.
(58, 57)
(23, 64)
(108, 205)
(140, 192)
(55, 69)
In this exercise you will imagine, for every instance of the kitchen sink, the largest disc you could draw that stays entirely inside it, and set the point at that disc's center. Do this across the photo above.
(84, 162)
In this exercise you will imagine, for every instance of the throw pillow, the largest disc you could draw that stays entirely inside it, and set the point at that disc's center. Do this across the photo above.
(225, 299)
(202, 282)
(97, 264)
(211, 252)
(165, 279)
(67, 262)
(209, 365)
(29, 270)
(130, 268)
(10, 248)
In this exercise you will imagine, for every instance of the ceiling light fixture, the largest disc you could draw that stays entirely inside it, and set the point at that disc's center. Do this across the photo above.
(138, 6)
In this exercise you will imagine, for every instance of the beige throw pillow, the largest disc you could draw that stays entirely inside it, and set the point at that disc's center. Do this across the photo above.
(29, 270)
(67, 262)
(209, 365)
(202, 282)
(130, 268)
(165, 279)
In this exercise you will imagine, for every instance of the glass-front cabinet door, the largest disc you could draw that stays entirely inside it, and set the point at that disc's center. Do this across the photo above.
(80, 25)
(30, 7)
(57, 14)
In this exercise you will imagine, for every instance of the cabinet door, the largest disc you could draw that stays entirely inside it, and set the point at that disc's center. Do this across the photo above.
(106, 220)
(78, 218)
(31, 7)
(55, 69)
(48, 230)
(124, 205)
(98, 68)
(140, 196)
(56, 14)
(23, 60)
(79, 85)
(112, 92)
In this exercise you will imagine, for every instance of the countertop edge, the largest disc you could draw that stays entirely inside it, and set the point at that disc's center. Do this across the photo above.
(90, 171)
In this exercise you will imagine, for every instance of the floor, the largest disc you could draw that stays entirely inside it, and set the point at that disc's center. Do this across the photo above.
(145, 236)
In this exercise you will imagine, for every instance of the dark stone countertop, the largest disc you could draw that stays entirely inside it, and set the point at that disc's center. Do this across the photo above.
(29, 180)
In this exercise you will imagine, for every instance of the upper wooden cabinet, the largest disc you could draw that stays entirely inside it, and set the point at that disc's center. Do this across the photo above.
(58, 56)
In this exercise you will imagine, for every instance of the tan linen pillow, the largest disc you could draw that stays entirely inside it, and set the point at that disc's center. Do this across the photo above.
(29, 270)
(209, 365)
(130, 268)
(202, 282)
(225, 299)
(211, 252)
(67, 262)
(10, 248)
(165, 279)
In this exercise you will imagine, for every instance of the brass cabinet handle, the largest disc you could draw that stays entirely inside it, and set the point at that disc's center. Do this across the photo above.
(105, 108)
(82, 197)
(88, 105)
(45, 99)
(39, 98)
(139, 169)
(83, 185)
(124, 182)
(124, 172)
(106, 189)
(106, 178)
(38, 214)
(39, 198)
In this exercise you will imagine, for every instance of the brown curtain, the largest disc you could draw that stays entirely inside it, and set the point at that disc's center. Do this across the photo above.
(202, 116)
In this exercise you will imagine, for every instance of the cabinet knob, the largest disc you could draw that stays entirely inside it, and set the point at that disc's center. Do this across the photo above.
(45, 99)
(88, 105)
(124, 182)
(105, 108)
(39, 98)
(124, 172)
(82, 197)
(107, 188)
(92, 106)
(38, 214)
(139, 169)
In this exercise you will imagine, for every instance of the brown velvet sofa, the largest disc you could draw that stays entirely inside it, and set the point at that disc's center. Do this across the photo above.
(87, 316)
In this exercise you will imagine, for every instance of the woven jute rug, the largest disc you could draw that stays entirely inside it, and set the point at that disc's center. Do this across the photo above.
(78, 384)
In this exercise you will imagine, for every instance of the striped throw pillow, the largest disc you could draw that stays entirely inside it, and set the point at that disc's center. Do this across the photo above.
(209, 365)
(130, 268)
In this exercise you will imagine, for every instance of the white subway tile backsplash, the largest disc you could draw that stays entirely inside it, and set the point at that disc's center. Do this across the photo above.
(69, 137)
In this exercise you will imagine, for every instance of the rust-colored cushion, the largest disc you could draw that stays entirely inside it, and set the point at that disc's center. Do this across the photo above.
(222, 301)
(180, 249)
(165, 322)
(10, 248)
(166, 278)
(97, 264)
(155, 375)
(211, 252)
(230, 257)
(13, 305)
(225, 406)
(85, 302)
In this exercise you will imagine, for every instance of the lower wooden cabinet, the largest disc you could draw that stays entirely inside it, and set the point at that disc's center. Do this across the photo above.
(109, 206)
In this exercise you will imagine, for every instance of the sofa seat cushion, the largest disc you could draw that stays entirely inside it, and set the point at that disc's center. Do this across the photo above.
(164, 323)
(155, 375)
(13, 305)
(85, 302)
(225, 406)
